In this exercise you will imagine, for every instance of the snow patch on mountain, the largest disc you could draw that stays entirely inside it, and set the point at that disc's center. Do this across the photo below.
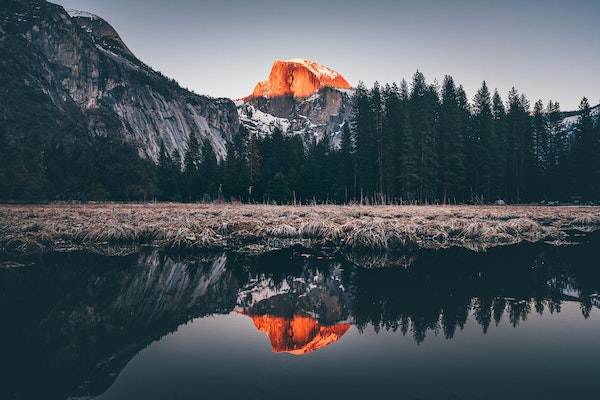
(321, 115)
(81, 14)
(572, 119)
(260, 123)
(316, 68)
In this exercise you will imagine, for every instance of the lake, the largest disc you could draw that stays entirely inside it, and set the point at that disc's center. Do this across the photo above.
(519, 322)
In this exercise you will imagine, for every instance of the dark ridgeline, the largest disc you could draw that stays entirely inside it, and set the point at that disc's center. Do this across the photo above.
(92, 314)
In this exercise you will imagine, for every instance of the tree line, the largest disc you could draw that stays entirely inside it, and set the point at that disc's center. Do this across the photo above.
(417, 143)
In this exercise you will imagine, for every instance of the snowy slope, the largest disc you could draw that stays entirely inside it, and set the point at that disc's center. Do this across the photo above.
(321, 115)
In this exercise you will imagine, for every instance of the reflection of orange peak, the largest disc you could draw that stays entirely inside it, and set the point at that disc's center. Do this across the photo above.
(298, 335)
(299, 78)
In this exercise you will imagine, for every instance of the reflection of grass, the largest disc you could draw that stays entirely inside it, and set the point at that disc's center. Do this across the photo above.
(38, 228)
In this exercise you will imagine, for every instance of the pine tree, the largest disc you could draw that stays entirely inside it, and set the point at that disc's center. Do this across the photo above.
(521, 159)
(209, 171)
(366, 149)
(253, 159)
(346, 168)
(530, 169)
(423, 117)
(191, 164)
(236, 176)
(278, 189)
(541, 150)
(584, 153)
(407, 171)
(484, 148)
(558, 166)
(450, 144)
(166, 179)
(378, 135)
(500, 130)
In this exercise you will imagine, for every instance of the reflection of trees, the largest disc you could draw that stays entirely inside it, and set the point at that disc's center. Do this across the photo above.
(439, 291)
(73, 318)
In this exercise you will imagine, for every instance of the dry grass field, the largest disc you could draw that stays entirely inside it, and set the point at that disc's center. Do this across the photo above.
(258, 228)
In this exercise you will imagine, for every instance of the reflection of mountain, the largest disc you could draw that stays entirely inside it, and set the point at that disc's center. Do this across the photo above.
(319, 294)
(72, 322)
(75, 321)
(299, 334)
(299, 314)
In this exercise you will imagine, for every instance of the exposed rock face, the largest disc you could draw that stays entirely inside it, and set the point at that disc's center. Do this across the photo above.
(86, 64)
(298, 78)
(298, 335)
(298, 316)
(300, 97)
(319, 116)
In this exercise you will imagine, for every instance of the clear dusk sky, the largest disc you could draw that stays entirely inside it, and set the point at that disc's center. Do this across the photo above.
(547, 49)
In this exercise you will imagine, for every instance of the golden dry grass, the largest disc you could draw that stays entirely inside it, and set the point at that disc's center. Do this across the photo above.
(259, 227)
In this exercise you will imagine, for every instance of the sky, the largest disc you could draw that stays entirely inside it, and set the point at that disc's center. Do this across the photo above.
(546, 49)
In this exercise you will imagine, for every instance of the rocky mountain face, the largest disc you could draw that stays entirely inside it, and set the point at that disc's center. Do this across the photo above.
(75, 68)
(298, 78)
(298, 335)
(300, 97)
(300, 315)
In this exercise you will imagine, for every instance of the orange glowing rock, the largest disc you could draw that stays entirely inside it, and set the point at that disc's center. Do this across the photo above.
(298, 335)
(298, 78)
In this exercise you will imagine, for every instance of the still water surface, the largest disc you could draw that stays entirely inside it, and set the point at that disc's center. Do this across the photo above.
(515, 323)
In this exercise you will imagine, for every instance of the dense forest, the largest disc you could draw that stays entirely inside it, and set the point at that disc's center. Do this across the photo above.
(417, 143)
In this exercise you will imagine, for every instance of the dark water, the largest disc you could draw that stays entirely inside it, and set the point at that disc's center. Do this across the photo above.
(519, 323)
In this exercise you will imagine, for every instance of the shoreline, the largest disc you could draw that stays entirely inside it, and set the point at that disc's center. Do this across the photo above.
(28, 229)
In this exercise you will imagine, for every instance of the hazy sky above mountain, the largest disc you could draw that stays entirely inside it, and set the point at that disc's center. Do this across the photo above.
(547, 49)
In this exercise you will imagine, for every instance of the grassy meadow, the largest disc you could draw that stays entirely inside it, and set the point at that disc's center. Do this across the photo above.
(260, 228)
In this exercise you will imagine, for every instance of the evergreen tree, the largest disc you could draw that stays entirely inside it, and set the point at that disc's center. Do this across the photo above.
(191, 175)
(519, 135)
(346, 169)
(253, 159)
(500, 130)
(278, 189)
(450, 144)
(365, 142)
(236, 174)
(209, 172)
(423, 118)
(484, 148)
(167, 175)
(558, 167)
(584, 153)
(541, 150)
(378, 135)
(530, 169)
(407, 175)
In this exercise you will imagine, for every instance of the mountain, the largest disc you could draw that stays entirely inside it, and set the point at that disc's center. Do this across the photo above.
(299, 97)
(298, 335)
(298, 78)
(74, 68)
(301, 315)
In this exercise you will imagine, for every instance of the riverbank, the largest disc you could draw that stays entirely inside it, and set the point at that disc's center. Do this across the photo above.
(261, 228)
